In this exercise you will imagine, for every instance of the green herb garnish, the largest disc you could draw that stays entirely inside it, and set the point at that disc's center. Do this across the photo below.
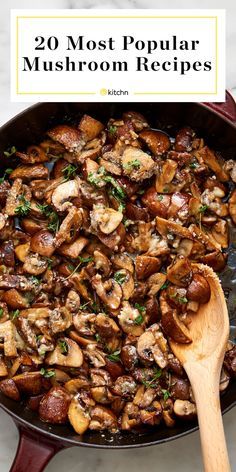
(134, 164)
(165, 285)
(10, 151)
(47, 373)
(53, 217)
(24, 207)
(182, 300)
(14, 314)
(50, 262)
(1, 312)
(203, 208)
(118, 192)
(7, 172)
(139, 320)
(160, 198)
(69, 171)
(151, 383)
(119, 277)
(140, 308)
(84, 260)
(115, 356)
(193, 165)
(112, 129)
(98, 337)
(63, 346)
(166, 394)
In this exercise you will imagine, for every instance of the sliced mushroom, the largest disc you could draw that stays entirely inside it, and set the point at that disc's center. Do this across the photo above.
(30, 382)
(71, 138)
(165, 177)
(73, 358)
(185, 410)
(30, 172)
(102, 262)
(96, 357)
(213, 162)
(175, 328)
(15, 299)
(127, 319)
(152, 346)
(123, 261)
(126, 281)
(73, 220)
(157, 204)
(137, 165)
(146, 266)
(78, 417)
(155, 283)
(90, 127)
(157, 142)
(22, 251)
(60, 319)
(106, 326)
(84, 323)
(180, 272)
(63, 193)
(106, 219)
(110, 291)
(102, 418)
(35, 264)
(8, 333)
(165, 227)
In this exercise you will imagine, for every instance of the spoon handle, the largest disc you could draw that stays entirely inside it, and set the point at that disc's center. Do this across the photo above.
(205, 384)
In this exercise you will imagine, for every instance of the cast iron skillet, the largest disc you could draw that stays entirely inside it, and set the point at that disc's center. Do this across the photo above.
(217, 123)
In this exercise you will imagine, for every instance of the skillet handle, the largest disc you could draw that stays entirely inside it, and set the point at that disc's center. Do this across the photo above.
(34, 451)
(227, 108)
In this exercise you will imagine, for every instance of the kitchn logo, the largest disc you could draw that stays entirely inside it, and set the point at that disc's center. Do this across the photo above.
(105, 91)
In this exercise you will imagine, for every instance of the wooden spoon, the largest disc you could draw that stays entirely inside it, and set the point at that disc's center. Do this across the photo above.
(202, 360)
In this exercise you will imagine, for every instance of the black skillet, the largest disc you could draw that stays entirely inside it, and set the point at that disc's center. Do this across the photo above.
(217, 124)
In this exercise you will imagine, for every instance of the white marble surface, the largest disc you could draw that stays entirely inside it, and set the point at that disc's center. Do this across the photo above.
(182, 455)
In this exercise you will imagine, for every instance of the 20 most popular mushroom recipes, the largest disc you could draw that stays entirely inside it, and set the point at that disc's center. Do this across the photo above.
(100, 228)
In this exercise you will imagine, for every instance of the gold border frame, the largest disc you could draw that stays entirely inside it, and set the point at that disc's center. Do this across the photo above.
(109, 17)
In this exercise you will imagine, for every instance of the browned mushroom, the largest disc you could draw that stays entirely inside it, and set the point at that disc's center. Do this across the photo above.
(78, 417)
(146, 266)
(8, 334)
(90, 127)
(9, 388)
(180, 272)
(102, 418)
(53, 407)
(137, 165)
(110, 291)
(106, 219)
(199, 289)
(72, 358)
(106, 326)
(30, 172)
(185, 410)
(71, 138)
(157, 142)
(43, 243)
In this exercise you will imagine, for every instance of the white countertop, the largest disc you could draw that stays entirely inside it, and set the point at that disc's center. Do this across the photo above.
(182, 455)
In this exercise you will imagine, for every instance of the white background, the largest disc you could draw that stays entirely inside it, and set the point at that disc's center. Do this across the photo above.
(193, 86)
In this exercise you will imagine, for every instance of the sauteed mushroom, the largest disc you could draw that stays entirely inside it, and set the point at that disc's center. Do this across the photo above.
(101, 226)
